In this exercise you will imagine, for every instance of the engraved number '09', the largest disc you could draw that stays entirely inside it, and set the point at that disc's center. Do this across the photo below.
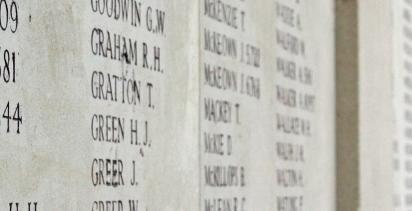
(9, 16)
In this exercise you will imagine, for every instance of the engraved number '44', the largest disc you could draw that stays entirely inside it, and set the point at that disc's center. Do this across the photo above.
(16, 117)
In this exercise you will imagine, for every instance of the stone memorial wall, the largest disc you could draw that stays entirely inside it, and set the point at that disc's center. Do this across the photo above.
(138, 105)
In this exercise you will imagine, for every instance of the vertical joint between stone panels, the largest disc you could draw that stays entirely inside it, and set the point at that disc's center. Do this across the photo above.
(347, 109)
(199, 43)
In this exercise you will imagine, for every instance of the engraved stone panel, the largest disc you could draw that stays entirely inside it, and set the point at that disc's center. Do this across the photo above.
(236, 169)
(402, 62)
(99, 105)
(304, 106)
